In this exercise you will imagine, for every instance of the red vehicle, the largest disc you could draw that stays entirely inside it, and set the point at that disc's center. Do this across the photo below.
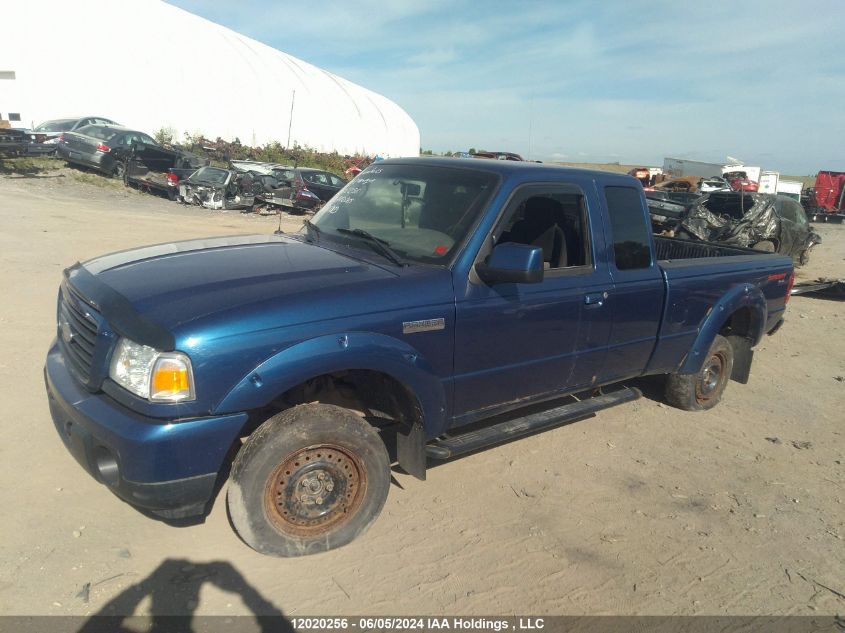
(739, 181)
(828, 198)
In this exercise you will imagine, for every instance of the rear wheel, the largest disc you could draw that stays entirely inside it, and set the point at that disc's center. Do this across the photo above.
(702, 391)
(118, 170)
(310, 479)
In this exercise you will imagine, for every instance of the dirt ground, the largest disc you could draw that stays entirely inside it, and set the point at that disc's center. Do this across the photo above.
(641, 510)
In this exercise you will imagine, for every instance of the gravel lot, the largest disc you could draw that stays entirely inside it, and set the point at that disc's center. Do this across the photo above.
(641, 510)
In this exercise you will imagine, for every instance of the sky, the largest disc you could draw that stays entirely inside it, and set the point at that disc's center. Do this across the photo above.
(611, 81)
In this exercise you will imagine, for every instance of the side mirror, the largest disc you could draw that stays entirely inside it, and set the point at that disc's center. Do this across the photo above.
(411, 189)
(511, 263)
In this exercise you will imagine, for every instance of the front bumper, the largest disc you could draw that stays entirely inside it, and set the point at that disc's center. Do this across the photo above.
(164, 466)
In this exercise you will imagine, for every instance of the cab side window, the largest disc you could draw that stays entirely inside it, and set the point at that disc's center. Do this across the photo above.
(555, 220)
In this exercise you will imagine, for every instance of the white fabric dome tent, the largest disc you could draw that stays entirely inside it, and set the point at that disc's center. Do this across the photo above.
(149, 65)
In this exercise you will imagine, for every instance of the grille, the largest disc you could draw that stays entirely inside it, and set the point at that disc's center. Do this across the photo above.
(78, 332)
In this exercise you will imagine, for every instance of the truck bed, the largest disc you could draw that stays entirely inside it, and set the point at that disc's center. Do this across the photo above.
(671, 249)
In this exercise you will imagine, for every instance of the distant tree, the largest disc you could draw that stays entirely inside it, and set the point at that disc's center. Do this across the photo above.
(448, 153)
(165, 135)
(472, 150)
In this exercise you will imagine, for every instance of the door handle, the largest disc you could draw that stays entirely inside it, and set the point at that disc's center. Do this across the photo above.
(595, 299)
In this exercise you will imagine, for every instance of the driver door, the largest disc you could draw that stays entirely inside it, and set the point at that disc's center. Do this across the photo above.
(519, 341)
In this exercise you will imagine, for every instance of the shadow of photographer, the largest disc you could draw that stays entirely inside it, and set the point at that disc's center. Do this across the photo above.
(174, 592)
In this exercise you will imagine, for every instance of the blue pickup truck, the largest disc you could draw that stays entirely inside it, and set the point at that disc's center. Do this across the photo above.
(415, 318)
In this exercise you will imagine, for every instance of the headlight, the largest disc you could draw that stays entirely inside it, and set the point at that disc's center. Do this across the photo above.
(149, 373)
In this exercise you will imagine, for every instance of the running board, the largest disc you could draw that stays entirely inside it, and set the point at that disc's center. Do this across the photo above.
(504, 431)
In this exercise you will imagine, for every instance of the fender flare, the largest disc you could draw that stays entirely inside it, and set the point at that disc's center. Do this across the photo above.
(743, 296)
(337, 352)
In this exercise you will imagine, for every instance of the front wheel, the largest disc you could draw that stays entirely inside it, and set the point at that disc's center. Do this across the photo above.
(309, 479)
(702, 391)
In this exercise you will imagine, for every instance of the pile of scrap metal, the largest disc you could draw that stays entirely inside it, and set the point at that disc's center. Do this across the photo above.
(293, 189)
(218, 188)
(272, 191)
(15, 142)
(753, 220)
(498, 155)
(822, 287)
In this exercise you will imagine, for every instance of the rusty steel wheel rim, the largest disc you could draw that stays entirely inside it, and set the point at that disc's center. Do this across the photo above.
(314, 490)
(711, 378)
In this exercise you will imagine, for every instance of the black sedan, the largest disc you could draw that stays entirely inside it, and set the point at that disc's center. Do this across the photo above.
(101, 147)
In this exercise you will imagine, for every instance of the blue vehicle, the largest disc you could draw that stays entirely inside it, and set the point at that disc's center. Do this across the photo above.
(422, 309)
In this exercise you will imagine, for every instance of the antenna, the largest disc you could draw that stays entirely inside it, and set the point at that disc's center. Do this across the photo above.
(279, 230)
(290, 121)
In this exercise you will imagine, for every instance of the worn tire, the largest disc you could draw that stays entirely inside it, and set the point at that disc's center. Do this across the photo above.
(766, 246)
(309, 479)
(702, 391)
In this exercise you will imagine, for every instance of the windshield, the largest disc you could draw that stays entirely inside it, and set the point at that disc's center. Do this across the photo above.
(422, 213)
(62, 125)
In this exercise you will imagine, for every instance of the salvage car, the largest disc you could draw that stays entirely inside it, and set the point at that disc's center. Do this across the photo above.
(434, 305)
(762, 221)
(105, 148)
(52, 130)
(218, 188)
(17, 142)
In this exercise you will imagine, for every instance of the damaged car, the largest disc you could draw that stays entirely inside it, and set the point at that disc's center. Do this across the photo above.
(296, 188)
(218, 188)
(764, 222)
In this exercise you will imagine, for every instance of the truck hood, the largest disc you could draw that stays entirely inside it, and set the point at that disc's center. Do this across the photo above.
(173, 285)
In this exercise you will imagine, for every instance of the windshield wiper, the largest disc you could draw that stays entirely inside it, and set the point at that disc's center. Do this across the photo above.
(379, 245)
(310, 226)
